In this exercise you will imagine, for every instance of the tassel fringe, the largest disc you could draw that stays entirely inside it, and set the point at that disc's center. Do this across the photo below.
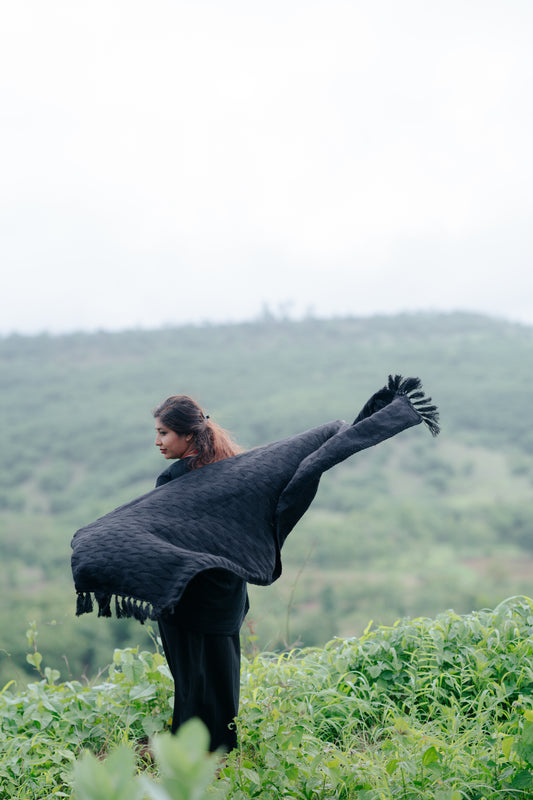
(84, 603)
(124, 606)
(104, 604)
(412, 389)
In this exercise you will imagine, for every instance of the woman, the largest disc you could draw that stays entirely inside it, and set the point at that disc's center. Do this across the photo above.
(182, 553)
(200, 635)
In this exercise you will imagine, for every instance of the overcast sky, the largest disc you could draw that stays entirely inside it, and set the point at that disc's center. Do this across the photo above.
(166, 161)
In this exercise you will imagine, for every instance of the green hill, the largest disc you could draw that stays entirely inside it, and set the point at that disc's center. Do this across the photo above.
(411, 527)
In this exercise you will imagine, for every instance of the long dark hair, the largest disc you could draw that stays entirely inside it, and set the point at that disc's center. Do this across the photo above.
(182, 415)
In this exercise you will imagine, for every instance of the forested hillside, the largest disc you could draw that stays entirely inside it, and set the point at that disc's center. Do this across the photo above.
(412, 527)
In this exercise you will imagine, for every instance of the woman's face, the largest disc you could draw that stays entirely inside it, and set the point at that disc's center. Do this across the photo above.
(172, 444)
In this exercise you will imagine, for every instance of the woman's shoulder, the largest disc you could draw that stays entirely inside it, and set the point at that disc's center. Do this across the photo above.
(175, 470)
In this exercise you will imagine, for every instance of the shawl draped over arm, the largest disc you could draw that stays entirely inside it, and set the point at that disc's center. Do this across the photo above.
(234, 514)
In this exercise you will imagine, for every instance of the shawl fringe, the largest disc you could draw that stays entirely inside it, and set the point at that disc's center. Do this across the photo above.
(124, 606)
(410, 388)
(84, 603)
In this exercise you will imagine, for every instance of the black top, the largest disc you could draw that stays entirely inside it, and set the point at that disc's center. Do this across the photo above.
(216, 600)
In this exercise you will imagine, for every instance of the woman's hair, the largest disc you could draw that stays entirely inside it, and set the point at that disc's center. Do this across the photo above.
(182, 414)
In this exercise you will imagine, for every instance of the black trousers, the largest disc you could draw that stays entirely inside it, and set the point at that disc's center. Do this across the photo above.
(206, 672)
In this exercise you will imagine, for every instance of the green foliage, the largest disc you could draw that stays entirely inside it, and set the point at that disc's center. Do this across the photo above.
(44, 728)
(423, 709)
(186, 773)
(426, 708)
(112, 779)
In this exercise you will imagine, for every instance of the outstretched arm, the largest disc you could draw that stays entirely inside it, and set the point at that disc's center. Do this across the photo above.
(397, 406)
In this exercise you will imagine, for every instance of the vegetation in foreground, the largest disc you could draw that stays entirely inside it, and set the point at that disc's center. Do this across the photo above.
(427, 708)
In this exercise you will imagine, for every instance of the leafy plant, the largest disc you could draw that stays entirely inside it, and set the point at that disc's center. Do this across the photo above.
(423, 709)
(186, 770)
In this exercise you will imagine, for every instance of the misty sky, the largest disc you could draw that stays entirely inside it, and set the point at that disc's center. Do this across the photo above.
(180, 161)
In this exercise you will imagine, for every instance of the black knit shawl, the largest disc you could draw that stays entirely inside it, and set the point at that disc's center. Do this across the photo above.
(234, 514)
